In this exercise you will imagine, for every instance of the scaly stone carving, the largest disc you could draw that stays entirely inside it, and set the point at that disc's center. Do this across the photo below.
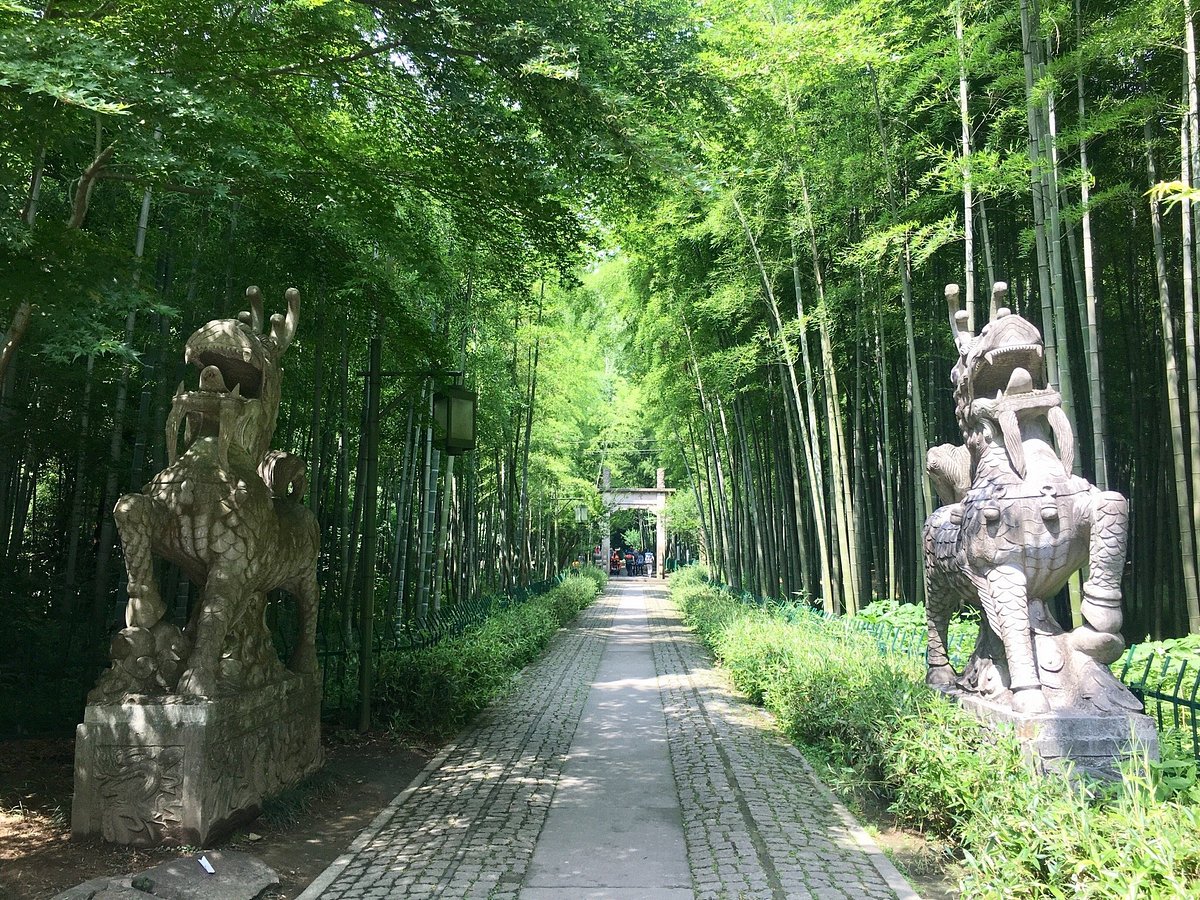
(140, 788)
(227, 512)
(1016, 525)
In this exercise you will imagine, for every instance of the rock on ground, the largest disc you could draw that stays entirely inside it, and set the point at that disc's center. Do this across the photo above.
(238, 876)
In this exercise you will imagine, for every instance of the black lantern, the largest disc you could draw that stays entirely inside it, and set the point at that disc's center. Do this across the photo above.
(454, 420)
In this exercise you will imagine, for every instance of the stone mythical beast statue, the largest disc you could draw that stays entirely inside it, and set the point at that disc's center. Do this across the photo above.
(227, 511)
(1016, 525)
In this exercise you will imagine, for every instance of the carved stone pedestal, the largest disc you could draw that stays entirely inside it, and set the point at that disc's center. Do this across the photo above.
(184, 770)
(1095, 744)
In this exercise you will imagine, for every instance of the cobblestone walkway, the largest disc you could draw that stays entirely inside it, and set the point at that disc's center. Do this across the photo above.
(621, 766)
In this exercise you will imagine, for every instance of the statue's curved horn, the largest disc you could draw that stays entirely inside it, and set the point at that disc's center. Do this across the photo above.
(283, 329)
(254, 295)
(999, 292)
(173, 420)
(1010, 430)
(952, 292)
(958, 319)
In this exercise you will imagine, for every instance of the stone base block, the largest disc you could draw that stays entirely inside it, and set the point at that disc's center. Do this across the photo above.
(183, 770)
(1095, 744)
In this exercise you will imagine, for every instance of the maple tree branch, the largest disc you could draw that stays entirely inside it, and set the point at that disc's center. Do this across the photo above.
(83, 194)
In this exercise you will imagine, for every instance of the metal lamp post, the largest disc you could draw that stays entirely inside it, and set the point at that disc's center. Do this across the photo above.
(454, 424)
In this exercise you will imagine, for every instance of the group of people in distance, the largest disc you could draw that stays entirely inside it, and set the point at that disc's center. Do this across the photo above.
(635, 562)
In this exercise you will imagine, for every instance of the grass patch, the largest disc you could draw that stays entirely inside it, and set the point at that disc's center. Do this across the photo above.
(937, 769)
(294, 805)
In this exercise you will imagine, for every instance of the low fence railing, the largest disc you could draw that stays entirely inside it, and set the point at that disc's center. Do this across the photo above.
(1167, 685)
(461, 616)
(339, 660)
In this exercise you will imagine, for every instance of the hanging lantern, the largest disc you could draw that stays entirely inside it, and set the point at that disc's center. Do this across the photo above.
(454, 420)
(581, 513)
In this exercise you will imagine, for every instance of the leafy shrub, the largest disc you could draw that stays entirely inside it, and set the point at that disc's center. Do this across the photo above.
(1056, 840)
(436, 690)
(596, 574)
(1175, 770)
(894, 613)
(1185, 648)
(964, 627)
(942, 764)
(880, 728)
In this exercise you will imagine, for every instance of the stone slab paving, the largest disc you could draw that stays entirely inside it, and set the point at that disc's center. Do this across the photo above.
(614, 827)
(758, 822)
(621, 766)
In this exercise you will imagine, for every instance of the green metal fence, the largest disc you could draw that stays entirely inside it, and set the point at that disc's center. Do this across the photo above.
(339, 660)
(1168, 686)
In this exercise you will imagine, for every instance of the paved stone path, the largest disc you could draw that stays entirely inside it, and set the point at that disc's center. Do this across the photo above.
(621, 766)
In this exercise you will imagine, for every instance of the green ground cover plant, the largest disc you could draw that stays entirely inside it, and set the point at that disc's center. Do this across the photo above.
(433, 692)
(964, 627)
(880, 729)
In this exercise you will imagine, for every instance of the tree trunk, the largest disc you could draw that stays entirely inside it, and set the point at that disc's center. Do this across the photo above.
(838, 457)
(68, 596)
(427, 512)
(366, 614)
(14, 336)
(922, 502)
(523, 512)
(108, 525)
(889, 516)
(351, 533)
(395, 601)
(1029, 41)
(968, 199)
(1186, 535)
(1091, 309)
(1066, 382)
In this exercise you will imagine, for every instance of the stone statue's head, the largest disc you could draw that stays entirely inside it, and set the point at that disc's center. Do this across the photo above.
(1007, 354)
(1000, 378)
(949, 469)
(237, 401)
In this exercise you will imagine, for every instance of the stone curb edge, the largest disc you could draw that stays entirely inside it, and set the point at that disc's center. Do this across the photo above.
(335, 868)
(886, 868)
(326, 878)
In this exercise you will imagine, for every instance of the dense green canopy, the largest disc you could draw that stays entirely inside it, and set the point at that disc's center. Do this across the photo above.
(708, 235)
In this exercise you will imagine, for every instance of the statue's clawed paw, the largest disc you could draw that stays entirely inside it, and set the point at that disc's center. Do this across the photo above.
(197, 682)
(941, 675)
(1030, 702)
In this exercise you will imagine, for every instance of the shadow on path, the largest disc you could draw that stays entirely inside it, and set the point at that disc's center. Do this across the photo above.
(621, 766)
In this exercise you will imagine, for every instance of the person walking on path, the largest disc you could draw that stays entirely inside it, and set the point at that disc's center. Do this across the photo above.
(622, 765)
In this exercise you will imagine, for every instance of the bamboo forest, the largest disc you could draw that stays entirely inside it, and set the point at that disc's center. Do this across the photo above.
(696, 249)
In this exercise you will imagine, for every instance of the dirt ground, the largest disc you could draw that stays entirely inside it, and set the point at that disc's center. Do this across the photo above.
(931, 872)
(298, 836)
(928, 864)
